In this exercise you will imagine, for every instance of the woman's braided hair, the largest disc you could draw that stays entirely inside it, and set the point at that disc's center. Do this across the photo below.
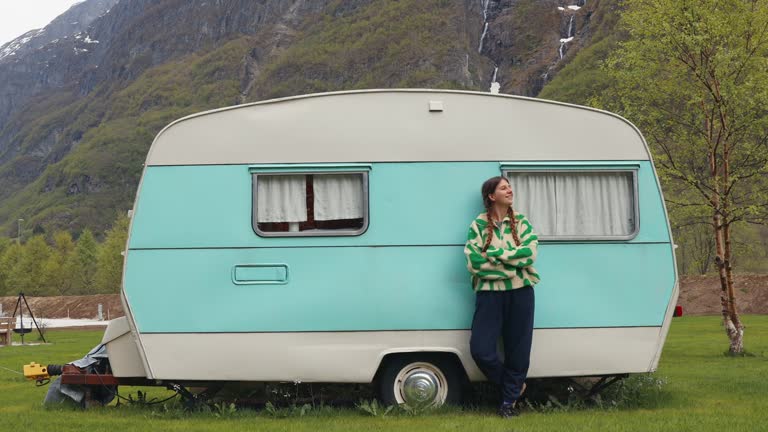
(489, 187)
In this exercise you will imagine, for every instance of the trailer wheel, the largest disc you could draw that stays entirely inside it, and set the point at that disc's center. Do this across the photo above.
(420, 381)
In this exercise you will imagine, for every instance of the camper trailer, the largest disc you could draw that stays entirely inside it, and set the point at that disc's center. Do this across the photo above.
(320, 238)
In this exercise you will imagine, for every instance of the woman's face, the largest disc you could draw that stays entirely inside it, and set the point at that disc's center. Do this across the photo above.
(502, 194)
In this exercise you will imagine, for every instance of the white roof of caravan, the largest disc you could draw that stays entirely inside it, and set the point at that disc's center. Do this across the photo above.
(397, 125)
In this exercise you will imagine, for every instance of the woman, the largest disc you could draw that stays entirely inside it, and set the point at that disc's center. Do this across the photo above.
(500, 250)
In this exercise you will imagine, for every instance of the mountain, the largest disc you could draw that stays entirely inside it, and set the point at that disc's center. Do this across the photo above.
(81, 99)
(29, 63)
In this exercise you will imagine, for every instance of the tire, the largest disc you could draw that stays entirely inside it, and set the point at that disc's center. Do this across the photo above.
(421, 380)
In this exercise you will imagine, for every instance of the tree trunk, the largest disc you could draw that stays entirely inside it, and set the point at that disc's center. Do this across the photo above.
(720, 253)
(731, 321)
(733, 326)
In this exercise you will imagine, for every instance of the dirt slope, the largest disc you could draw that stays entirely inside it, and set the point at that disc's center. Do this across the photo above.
(69, 306)
(700, 295)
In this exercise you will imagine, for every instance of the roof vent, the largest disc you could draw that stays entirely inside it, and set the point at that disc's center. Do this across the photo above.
(435, 106)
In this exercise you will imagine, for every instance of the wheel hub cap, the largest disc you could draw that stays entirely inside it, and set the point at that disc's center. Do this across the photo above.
(420, 388)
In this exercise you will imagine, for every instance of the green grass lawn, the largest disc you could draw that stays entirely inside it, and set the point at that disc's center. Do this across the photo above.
(703, 390)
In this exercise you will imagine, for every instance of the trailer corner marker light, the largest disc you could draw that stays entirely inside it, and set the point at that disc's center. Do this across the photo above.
(678, 311)
(34, 371)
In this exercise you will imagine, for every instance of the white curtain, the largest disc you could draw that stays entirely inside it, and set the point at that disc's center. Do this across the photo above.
(534, 196)
(281, 198)
(338, 196)
(576, 204)
(594, 204)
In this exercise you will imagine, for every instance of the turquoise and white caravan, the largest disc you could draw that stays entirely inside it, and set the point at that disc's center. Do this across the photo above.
(320, 239)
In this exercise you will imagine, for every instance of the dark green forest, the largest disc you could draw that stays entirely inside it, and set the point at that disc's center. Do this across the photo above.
(52, 264)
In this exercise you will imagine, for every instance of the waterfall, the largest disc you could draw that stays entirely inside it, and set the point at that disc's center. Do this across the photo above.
(571, 9)
(495, 86)
(484, 3)
(482, 37)
(562, 45)
(545, 75)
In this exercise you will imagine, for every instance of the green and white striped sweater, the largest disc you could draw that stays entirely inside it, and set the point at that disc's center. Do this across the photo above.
(504, 266)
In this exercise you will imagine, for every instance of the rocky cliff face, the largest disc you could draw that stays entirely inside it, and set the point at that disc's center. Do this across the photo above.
(46, 58)
(81, 99)
(107, 41)
(528, 41)
(75, 20)
(141, 34)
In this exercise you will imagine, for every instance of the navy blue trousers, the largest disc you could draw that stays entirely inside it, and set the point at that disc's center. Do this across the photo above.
(508, 314)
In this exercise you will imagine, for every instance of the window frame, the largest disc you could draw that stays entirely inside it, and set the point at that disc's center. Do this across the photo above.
(633, 169)
(255, 171)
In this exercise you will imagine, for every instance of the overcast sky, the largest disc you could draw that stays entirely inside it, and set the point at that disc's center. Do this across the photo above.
(19, 16)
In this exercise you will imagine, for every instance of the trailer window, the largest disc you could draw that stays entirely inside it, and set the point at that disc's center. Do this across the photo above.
(310, 204)
(577, 205)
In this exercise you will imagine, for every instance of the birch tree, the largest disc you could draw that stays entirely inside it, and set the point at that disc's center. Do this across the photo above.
(27, 275)
(693, 76)
(84, 262)
(8, 261)
(59, 269)
(110, 259)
